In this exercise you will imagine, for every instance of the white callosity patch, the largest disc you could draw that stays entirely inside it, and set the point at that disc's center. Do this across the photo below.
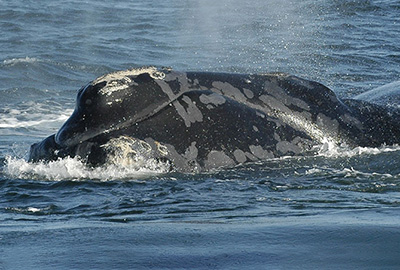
(127, 151)
(29, 210)
(118, 75)
(120, 80)
(162, 149)
(115, 86)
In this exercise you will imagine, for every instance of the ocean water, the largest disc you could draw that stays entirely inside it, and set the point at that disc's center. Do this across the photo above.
(339, 209)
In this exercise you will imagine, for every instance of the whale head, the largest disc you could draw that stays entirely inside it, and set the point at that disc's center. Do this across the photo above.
(112, 102)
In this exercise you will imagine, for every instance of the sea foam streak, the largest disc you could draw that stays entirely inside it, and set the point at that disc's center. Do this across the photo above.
(14, 61)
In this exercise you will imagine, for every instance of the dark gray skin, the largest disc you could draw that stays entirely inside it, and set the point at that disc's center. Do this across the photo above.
(201, 121)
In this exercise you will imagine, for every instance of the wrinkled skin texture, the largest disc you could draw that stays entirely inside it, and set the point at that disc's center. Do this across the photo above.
(201, 121)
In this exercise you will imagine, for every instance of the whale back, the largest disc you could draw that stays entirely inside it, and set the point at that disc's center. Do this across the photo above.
(125, 98)
(386, 95)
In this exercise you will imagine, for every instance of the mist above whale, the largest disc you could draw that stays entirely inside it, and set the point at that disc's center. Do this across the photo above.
(199, 121)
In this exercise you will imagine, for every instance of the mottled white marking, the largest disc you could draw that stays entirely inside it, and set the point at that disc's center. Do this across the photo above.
(229, 90)
(285, 147)
(166, 89)
(218, 159)
(190, 115)
(191, 152)
(213, 98)
(248, 93)
(240, 156)
(182, 79)
(281, 96)
(255, 128)
(251, 156)
(259, 152)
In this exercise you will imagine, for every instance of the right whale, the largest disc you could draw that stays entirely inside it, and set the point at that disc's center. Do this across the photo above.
(201, 120)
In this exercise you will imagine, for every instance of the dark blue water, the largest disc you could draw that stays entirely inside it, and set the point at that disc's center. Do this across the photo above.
(337, 210)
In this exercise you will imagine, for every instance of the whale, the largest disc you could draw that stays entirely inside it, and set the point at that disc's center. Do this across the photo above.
(200, 121)
(386, 95)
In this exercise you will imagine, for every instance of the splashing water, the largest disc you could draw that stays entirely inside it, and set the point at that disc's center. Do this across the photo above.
(332, 150)
(76, 170)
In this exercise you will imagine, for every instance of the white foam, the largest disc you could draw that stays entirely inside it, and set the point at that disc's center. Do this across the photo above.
(74, 169)
(33, 115)
(352, 173)
(11, 121)
(27, 210)
(330, 149)
(14, 61)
